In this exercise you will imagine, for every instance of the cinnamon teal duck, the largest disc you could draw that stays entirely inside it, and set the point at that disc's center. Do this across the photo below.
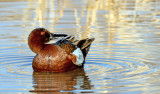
(64, 55)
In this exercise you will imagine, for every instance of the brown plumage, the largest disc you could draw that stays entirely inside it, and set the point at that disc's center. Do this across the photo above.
(55, 57)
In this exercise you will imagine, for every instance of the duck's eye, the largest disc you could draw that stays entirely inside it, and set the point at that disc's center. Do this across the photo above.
(42, 33)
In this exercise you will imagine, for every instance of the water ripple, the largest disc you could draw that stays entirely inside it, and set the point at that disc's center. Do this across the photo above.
(124, 58)
(117, 70)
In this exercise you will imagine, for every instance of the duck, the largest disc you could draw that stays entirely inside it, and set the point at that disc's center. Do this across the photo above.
(66, 54)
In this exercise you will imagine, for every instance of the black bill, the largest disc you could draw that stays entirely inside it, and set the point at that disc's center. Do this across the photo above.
(55, 36)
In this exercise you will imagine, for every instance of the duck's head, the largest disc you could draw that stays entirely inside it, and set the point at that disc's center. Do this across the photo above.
(39, 36)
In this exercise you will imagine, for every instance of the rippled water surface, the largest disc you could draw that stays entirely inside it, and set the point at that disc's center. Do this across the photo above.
(123, 59)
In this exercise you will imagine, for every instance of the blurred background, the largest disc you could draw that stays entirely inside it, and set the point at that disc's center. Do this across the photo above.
(124, 58)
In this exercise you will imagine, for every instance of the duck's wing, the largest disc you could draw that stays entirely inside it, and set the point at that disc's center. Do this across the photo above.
(77, 50)
(74, 53)
(67, 44)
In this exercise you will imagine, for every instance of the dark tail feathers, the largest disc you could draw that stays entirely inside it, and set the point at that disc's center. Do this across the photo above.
(84, 45)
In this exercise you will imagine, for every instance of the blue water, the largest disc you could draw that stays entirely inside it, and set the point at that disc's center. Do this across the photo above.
(123, 59)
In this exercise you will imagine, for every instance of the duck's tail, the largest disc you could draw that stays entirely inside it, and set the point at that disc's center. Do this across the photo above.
(84, 45)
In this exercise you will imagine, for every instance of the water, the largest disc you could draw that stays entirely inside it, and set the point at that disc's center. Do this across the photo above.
(123, 59)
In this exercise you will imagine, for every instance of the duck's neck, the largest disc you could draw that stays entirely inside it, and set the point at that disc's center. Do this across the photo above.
(35, 46)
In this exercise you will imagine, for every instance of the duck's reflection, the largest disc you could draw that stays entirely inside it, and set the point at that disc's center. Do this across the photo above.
(60, 82)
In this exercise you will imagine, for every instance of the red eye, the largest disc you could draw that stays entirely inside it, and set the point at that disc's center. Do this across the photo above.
(42, 33)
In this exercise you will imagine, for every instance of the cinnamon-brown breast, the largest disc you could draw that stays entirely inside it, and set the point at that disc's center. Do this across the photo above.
(53, 58)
